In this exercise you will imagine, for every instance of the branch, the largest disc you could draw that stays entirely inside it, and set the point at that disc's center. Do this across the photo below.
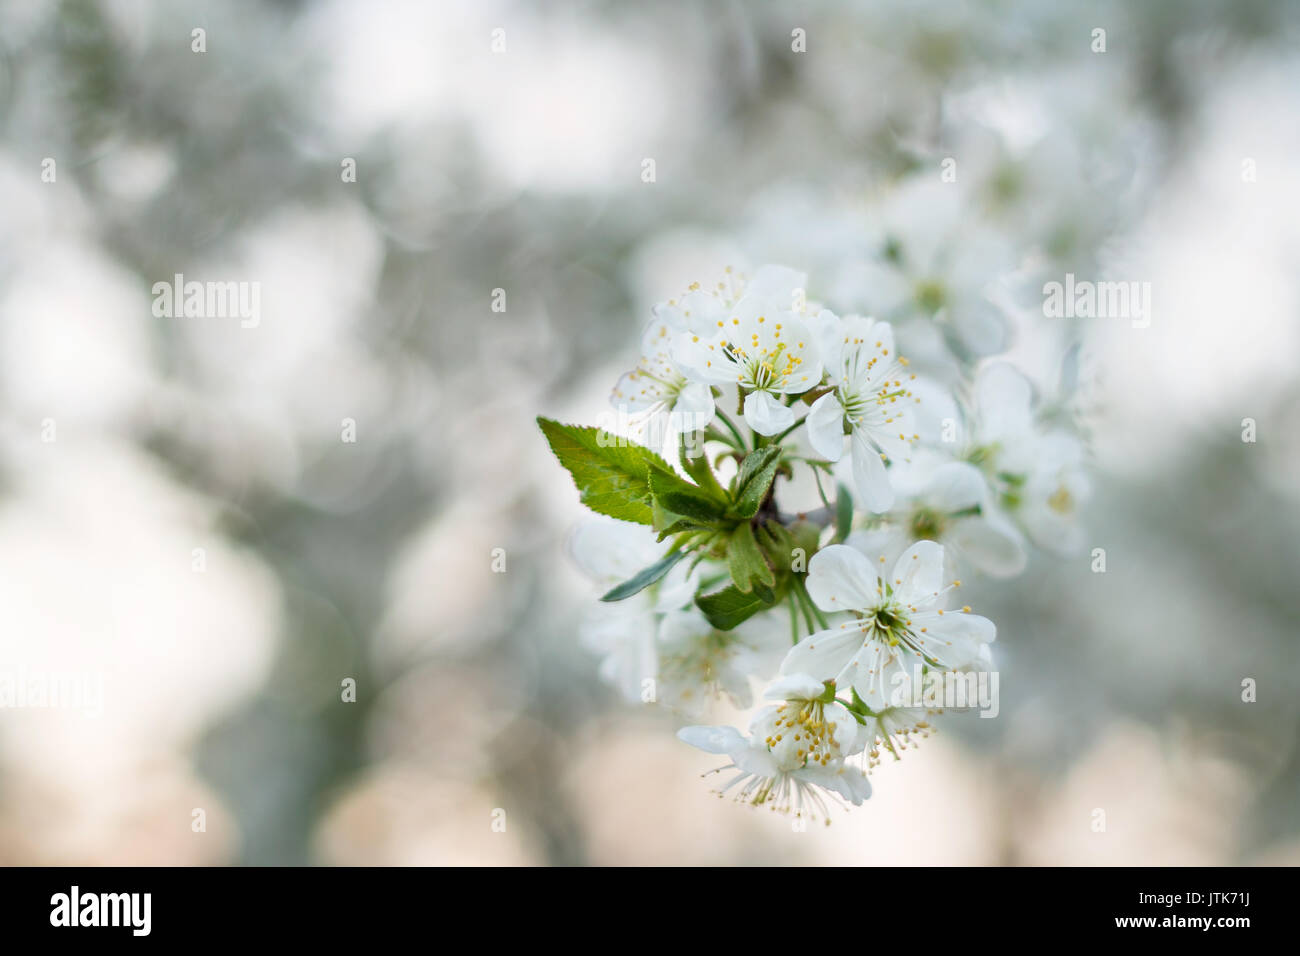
(822, 517)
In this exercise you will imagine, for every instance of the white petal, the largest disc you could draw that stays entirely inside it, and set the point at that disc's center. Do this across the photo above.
(895, 435)
(714, 740)
(841, 578)
(625, 633)
(990, 543)
(635, 392)
(1003, 397)
(870, 477)
(795, 687)
(843, 725)
(877, 674)
(755, 760)
(887, 542)
(863, 334)
(824, 654)
(702, 360)
(981, 325)
(825, 424)
(918, 575)
(659, 333)
(680, 628)
(676, 589)
(953, 638)
(778, 282)
(694, 409)
(701, 312)
(611, 551)
(766, 415)
(827, 331)
(955, 486)
(849, 782)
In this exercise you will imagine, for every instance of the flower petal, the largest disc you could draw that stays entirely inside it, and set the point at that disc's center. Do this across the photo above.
(849, 782)
(702, 360)
(701, 312)
(778, 282)
(694, 408)
(991, 543)
(878, 674)
(826, 427)
(795, 686)
(955, 486)
(918, 574)
(826, 329)
(824, 654)
(766, 415)
(870, 477)
(844, 726)
(953, 638)
(1004, 398)
(841, 578)
(714, 740)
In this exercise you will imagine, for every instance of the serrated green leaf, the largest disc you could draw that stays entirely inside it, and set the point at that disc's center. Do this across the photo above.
(745, 561)
(754, 480)
(644, 578)
(682, 498)
(611, 473)
(729, 607)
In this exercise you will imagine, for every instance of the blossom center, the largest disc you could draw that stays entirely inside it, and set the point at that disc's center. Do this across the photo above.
(926, 524)
(1061, 501)
(763, 369)
(798, 733)
(931, 295)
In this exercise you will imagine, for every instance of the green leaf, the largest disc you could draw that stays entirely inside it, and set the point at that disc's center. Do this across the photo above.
(843, 512)
(698, 468)
(644, 578)
(680, 497)
(730, 606)
(754, 479)
(611, 473)
(669, 524)
(745, 561)
(779, 544)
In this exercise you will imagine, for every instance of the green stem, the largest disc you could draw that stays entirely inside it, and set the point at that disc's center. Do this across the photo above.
(728, 440)
(777, 439)
(807, 617)
(734, 430)
(809, 604)
(817, 476)
(794, 618)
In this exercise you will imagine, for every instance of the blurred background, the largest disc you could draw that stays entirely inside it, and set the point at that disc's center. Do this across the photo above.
(183, 520)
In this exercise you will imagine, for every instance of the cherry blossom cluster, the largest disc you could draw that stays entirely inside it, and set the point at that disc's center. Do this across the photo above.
(788, 502)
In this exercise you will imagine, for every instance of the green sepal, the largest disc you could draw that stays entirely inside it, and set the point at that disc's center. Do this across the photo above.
(754, 480)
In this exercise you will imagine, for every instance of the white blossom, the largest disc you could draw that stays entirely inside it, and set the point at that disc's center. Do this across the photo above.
(869, 399)
(794, 755)
(896, 619)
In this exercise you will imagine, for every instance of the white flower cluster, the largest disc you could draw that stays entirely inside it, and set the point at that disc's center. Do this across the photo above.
(843, 607)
